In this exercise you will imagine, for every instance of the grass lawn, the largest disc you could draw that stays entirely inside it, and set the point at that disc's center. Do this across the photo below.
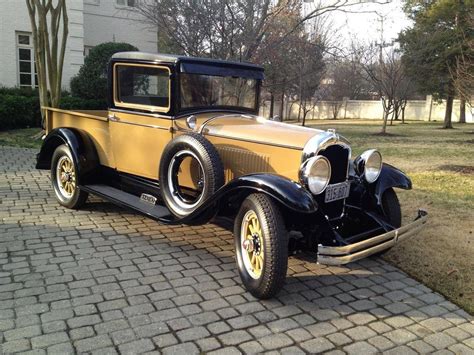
(441, 165)
(21, 138)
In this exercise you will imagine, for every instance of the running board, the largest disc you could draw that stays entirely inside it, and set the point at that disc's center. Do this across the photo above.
(127, 200)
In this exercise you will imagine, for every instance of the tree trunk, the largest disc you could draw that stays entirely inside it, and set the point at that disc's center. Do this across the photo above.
(304, 113)
(462, 111)
(300, 104)
(403, 114)
(272, 103)
(282, 104)
(449, 111)
(385, 119)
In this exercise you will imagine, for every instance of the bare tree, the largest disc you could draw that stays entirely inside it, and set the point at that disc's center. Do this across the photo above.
(278, 60)
(387, 75)
(49, 38)
(224, 29)
(343, 81)
(230, 29)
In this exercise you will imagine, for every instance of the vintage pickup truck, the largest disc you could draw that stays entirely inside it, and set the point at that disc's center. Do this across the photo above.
(182, 143)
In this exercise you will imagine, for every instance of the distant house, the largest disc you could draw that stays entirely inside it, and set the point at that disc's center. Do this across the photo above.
(91, 22)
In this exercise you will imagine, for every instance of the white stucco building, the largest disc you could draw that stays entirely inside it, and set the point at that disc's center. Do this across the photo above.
(91, 22)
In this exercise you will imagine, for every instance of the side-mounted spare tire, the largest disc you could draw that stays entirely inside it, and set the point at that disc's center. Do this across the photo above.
(189, 158)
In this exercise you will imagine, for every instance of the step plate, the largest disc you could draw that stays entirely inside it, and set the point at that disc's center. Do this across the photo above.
(127, 200)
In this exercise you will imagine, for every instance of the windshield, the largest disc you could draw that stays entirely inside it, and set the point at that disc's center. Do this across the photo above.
(202, 90)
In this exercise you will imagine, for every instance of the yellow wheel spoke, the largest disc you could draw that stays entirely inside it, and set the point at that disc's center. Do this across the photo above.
(252, 231)
(255, 224)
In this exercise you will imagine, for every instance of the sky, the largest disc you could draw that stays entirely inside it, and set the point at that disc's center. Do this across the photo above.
(365, 25)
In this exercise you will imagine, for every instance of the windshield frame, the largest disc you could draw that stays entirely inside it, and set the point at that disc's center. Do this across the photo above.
(215, 108)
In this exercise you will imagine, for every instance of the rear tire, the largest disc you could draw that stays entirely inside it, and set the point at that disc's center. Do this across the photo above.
(261, 244)
(65, 179)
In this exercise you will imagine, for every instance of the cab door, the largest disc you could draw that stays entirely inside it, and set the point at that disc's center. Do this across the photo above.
(139, 126)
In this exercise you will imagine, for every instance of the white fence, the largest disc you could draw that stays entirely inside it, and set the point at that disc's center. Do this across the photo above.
(424, 110)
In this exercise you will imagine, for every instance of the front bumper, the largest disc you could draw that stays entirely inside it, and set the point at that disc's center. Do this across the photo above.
(339, 255)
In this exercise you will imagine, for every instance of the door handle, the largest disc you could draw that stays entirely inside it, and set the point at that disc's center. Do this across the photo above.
(113, 118)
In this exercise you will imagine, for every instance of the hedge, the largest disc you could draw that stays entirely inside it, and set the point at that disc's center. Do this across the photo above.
(20, 108)
(91, 81)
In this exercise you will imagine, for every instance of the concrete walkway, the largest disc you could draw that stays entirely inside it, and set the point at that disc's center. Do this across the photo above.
(104, 280)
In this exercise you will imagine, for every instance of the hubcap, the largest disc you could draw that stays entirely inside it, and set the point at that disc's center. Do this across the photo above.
(66, 177)
(252, 244)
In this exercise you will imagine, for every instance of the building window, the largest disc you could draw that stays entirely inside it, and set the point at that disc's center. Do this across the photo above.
(93, 2)
(129, 3)
(27, 76)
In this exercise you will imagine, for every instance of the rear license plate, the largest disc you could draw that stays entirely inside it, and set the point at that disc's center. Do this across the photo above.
(338, 191)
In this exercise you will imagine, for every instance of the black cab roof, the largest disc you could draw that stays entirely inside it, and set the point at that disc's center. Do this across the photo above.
(176, 59)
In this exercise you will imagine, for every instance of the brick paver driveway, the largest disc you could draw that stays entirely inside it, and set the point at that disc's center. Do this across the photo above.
(105, 280)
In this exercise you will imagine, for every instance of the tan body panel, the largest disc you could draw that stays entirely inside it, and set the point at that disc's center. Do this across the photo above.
(242, 158)
(133, 142)
(95, 123)
(138, 142)
(249, 144)
(242, 127)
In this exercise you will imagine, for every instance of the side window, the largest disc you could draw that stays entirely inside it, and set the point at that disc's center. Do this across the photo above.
(142, 87)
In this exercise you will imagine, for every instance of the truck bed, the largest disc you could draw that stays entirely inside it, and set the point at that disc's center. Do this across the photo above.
(94, 122)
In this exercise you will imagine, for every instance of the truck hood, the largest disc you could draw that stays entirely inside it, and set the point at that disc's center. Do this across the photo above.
(252, 129)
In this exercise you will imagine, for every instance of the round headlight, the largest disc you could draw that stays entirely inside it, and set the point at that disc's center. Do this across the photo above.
(315, 174)
(370, 164)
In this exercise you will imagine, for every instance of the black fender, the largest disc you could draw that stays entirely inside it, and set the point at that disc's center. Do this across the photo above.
(288, 193)
(390, 177)
(81, 146)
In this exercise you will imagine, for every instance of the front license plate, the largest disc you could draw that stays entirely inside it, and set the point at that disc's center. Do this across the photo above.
(337, 191)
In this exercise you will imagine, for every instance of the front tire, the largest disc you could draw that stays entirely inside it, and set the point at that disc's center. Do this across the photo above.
(392, 212)
(391, 208)
(261, 244)
(65, 180)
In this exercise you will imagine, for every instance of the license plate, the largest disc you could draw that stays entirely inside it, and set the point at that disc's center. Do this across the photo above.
(336, 192)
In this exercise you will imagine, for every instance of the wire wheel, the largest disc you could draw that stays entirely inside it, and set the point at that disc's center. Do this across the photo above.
(66, 176)
(261, 245)
(65, 179)
(252, 244)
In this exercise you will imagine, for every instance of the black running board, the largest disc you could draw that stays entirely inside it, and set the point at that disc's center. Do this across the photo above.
(124, 199)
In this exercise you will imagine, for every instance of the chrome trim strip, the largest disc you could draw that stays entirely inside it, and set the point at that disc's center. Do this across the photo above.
(253, 141)
(329, 255)
(141, 113)
(140, 124)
